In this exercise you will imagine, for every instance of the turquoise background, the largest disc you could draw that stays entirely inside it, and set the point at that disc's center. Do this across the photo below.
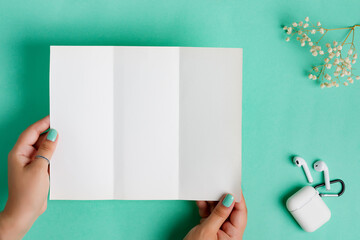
(284, 113)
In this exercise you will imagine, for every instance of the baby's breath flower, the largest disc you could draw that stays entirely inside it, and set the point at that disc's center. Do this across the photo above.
(357, 77)
(355, 56)
(316, 69)
(336, 74)
(300, 32)
(326, 60)
(298, 38)
(353, 61)
(294, 24)
(322, 85)
(314, 77)
(328, 45)
(301, 23)
(345, 84)
(306, 25)
(285, 28)
(330, 50)
(313, 31)
(287, 39)
(311, 43)
(338, 68)
(331, 55)
(302, 44)
(289, 30)
(328, 66)
(307, 19)
(315, 53)
(322, 31)
(327, 77)
(335, 43)
(350, 52)
(339, 47)
(337, 54)
(310, 76)
(321, 52)
(318, 24)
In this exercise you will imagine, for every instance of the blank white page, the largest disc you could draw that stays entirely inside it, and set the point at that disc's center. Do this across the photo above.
(210, 122)
(81, 110)
(146, 126)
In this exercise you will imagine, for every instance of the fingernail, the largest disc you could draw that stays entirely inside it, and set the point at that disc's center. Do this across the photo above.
(228, 200)
(52, 135)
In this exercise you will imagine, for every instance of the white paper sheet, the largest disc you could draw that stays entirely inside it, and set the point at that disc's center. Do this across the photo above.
(145, 122)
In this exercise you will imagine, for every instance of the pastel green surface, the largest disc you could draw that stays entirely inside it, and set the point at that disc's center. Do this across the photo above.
(283, 112)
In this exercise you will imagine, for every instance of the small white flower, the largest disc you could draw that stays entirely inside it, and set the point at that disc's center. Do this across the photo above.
(294, 24)
(355, 56)
(285, 28)
(337, 54)
(347, 60)
(321, 52)
(301, 23)
(342, 74)
(316, 69)
(357, 77)
(326, 60)
(318, 24)
(339, 47)
(302, 44)
(318, 48)
(307, 19)
(330, 50)
(300, 32)
(353, 61)
(351, 80)
(322, 31)
(314, 77)
(334, 49)
(289, 30)
(306, 25)
(350, 52)
(327, 77)
(322, 85)
(335, 43)
(338, 68)
(311, 43)
(328, 66)
(345, 84)
(328, 45)
(337, 85)
(331, 55)
(304, 36)
(336, 74)
(287, 39)
(347, 73)
(336, 61)
(341, 60)
(298, 38)
(310, 76)
(313, 31)
(315, 53)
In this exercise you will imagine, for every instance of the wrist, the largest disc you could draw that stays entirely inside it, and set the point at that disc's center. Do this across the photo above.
(10, 227)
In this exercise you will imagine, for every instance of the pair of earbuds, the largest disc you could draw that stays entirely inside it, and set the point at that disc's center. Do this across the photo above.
(319, 166)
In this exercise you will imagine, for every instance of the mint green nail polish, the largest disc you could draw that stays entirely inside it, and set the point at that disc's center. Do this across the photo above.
(52, 135)
(228, 200)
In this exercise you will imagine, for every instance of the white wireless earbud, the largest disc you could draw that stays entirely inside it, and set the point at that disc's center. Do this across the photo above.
(300, 162)
(320, 166)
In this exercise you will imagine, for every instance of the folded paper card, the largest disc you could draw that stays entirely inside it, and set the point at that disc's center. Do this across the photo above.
(145, 122)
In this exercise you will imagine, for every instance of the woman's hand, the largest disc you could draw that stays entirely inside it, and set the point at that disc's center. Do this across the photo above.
(28, 179)
(226, 220)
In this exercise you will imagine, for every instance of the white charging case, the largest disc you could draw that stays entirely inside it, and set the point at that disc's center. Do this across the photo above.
(308, 209)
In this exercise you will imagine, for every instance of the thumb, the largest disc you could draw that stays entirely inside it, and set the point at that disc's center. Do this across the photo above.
(46, 149)
(220, 213)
